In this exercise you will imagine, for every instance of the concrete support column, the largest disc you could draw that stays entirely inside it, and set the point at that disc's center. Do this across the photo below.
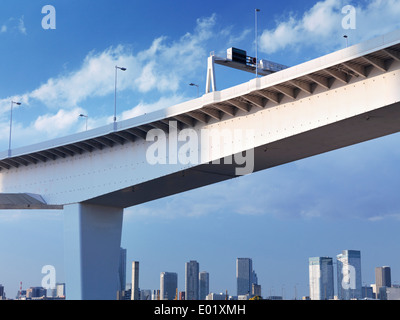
(92, 244)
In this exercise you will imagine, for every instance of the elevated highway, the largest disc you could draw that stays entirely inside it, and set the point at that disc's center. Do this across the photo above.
(334, 101)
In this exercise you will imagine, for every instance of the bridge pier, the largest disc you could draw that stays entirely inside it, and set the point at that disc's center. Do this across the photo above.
(92, 237)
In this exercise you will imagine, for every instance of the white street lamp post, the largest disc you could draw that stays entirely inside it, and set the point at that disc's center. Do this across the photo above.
(9, 140)
(115, 92)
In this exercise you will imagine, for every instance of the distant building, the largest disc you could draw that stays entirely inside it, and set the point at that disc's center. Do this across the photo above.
(245, 276)
(256, 290)
(321, 278)
(126, 294)
(382, 279)
(36, 292)
(2, 293)
(192, 280)
(122, 269)
(168, 285)
(60, 290)
(349, 275)
(216, 296)
(135, 281)
(182, 295)
(204, 283)
(155, 295)
(368, 292)
(145, 294)
(393, 293)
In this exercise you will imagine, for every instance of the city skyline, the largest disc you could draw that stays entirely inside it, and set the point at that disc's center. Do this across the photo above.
(334, 282)
(280, 217)
(321, 269)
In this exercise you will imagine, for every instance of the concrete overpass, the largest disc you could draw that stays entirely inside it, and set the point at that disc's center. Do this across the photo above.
(337, 100)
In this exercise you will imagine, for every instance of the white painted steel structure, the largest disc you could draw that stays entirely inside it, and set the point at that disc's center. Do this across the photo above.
(337, 100)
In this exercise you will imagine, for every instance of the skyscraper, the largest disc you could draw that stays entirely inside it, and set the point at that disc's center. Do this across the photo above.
(168, 285)
(135, 281)
(2, 293)
(349, 275)
(204, 279)
(382, 279)
(321, 278)
(122, 269)
(192, 280)
(245, 276)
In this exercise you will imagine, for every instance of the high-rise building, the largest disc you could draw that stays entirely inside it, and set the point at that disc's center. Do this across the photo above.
(256, 290)
(321, 278)
(245, 276)
(135, 281)
(60, 290)
(2, 293)
(382, 279)
(349, 275)
(204, 279)
(192, 280)
(36, 292)
(367, 292)
(155, 295)
(168, 285)
(122, 270)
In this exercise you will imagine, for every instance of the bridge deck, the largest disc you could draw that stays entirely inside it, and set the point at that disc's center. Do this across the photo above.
(269, 91)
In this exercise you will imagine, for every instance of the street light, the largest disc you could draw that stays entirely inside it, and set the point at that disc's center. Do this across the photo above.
(9, 141)
(256, 36)
(195, 85)
(115, 93)
(85, 116)
(347, 41)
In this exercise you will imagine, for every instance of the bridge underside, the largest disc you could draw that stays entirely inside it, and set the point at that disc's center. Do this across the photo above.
(364, 127)
(94, 227)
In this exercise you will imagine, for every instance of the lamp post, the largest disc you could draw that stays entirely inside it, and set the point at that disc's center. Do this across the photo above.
(195, 85)
(256, 36)
(9, 141)
(347, 40)
(115, 92)
(84, 116)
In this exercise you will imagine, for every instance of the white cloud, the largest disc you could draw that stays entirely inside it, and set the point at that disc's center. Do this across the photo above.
(50, 124)
(14, 25)
(21, 25)
(95, 78)
(45, 127)
(161, 68)
(321, 28)
(166, 65)
(143, 107)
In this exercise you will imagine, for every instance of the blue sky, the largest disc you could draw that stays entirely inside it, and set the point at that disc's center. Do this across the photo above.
(346, 199)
